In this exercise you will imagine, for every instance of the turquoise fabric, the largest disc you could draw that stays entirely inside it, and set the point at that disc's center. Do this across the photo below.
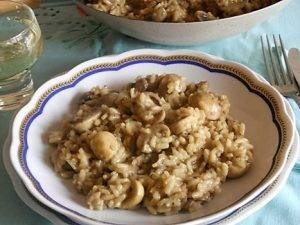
(75, 43)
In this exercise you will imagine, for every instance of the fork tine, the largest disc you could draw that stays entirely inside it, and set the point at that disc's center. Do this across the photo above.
(273, 63)
(274, 66)
(289, 71)
(279, 53)
(269, 69)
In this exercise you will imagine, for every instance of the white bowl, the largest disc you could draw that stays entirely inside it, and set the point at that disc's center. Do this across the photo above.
(184, 34)
(259, 105)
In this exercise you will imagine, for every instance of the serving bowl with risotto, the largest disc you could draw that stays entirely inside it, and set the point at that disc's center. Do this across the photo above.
(181, 22)
(150, 136)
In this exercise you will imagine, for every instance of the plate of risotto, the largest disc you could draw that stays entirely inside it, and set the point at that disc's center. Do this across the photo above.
(151, 136)
(181, 22)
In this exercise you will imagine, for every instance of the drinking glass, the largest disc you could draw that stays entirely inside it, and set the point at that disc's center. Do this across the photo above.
(20, 46)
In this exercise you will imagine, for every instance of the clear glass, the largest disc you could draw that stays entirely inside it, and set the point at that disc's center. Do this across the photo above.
(20, 46)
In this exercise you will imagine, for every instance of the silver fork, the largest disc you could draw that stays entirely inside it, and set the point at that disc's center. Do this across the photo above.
(279, 71)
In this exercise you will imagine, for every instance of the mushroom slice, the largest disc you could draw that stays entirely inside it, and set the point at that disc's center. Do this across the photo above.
(148, 106)
(161, 130)
(87, 122)
(171, 83)
(135, 196)
(207, 102)
(104, 145)
(189, 119)
(148, 83)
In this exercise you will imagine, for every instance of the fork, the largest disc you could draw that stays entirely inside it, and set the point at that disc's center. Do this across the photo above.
(280, 74)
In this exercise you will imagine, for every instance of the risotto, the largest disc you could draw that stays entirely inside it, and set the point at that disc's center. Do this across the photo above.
(160, 143)
(178, 10)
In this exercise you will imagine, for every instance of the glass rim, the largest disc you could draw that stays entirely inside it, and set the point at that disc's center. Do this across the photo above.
(25, 30)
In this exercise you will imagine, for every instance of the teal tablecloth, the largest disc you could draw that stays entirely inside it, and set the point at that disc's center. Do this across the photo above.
(70, 40)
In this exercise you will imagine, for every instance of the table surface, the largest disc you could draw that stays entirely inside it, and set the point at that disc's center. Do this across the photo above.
(70, 40)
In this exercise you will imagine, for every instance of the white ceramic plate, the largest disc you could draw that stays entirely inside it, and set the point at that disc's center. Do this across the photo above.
(185, 33)
(240, 214)
(259, 105)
